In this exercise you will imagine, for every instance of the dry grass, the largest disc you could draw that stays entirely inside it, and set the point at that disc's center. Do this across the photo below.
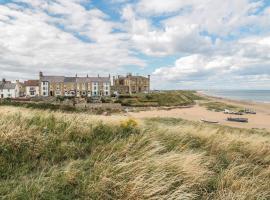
(54, 155)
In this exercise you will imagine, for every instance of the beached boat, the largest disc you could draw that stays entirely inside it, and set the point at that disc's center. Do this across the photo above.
(248, 111)
(209, 121)
(245, 120)
(226, 111)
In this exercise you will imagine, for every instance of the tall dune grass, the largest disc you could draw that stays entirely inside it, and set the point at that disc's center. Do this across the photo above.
(54, 155)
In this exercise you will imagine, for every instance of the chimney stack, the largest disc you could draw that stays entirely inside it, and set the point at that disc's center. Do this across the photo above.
(40, 74)
(149, 77)
(87, 75)
(4, 80)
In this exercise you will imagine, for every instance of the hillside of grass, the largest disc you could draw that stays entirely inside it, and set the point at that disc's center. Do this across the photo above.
(163, 98)
(54, 155)
(220, 106)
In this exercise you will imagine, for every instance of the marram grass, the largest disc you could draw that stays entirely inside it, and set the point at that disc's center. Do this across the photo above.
(54, 155)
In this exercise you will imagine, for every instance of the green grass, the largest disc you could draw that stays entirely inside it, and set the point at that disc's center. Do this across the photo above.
(219, 106)
(54, 155)
(164, 98)
(58, 107)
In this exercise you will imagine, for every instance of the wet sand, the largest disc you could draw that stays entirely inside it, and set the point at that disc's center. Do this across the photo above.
(259, 121)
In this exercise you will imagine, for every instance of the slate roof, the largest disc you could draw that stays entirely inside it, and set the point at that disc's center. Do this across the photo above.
(56, 79)
(61, 79)
(9, 86)
(70, 79)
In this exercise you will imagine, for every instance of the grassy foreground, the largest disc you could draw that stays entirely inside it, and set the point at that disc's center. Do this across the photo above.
(54, 155)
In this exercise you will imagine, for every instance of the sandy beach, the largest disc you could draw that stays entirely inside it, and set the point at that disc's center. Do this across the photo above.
(259, 121)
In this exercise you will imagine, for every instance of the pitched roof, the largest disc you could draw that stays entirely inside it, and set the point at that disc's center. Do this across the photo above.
(9, 86)
(57, 79)
(31, 83)
(70, 79)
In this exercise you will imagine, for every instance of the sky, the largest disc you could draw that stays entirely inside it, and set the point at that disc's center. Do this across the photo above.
(182, 44)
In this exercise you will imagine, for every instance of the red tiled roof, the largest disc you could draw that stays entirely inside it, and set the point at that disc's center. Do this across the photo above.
(31, 83)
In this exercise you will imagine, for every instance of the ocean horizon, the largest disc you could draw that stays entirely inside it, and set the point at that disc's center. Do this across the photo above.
(261, 96)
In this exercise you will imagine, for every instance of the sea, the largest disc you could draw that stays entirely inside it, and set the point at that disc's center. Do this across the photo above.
(262, 96)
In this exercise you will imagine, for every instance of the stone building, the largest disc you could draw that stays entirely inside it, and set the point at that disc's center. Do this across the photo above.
(74, 86)
(131, 84)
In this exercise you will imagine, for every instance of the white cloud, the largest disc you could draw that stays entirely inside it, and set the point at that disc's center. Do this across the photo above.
(250, 59)
(188, 26)
(47, 36)
(212, 39)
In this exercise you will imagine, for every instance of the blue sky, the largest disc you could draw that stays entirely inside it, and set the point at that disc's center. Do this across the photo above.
(181, 44)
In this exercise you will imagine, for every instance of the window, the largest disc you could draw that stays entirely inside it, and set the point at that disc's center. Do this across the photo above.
(32, 93)
(44, 93)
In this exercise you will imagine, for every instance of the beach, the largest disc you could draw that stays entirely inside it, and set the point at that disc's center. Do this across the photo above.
(259, 121)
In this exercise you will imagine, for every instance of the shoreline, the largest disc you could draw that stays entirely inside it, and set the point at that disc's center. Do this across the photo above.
(201, 92)
(263, 107)
(196, 113)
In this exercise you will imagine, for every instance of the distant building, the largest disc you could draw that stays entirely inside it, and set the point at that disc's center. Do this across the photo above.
(31, 88)
(9, 89)
(131, 84)
(74, 86)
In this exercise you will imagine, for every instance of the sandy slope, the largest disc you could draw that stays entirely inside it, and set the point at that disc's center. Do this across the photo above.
(261, 120)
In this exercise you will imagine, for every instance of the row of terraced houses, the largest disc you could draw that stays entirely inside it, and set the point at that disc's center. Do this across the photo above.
(75, 86)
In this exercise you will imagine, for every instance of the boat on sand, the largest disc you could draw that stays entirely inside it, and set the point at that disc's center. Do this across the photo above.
(233, 119)
(209, 121)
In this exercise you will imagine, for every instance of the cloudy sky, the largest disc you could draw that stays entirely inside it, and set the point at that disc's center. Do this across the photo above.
(183, 44)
